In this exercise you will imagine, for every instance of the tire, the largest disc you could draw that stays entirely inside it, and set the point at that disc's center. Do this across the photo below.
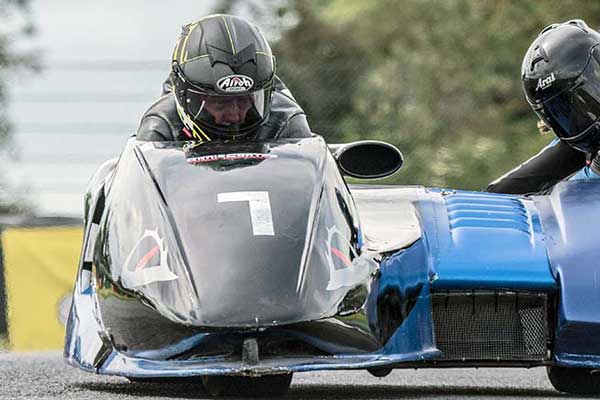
(247, 386)
(574, 380)
(379, 372)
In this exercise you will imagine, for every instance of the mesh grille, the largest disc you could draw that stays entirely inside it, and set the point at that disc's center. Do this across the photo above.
(491, 326)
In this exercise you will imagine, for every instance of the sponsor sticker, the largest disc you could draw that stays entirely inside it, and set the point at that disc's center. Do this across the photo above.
(345, 266)
(546, 82)
(139, 270)
(229, 157)
(235, 83)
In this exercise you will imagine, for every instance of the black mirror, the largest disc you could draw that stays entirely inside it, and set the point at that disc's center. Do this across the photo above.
(367, 159)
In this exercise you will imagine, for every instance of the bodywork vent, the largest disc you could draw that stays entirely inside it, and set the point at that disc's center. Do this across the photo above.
(494, 326)
(483, 211)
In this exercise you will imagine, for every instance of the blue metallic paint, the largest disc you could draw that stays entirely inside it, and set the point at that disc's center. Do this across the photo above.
(469, 234)
(404, 279)
(414, 340)
(570, 219)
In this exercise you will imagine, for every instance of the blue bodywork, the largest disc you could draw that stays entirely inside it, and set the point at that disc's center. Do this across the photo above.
(471, 241)
(468, 235)
(570, 219)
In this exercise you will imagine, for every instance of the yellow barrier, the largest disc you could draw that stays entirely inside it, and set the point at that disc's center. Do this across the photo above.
(40, 265)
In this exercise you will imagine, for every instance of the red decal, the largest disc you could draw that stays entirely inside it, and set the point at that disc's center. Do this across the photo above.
(229, 157)
(144, 260)
(341, 256)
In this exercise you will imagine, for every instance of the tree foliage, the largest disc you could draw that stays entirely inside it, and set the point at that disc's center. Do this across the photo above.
(440, 79)
(14, 25)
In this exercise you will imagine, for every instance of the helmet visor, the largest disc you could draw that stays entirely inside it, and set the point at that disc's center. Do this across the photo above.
(572, 111)
(227, 115)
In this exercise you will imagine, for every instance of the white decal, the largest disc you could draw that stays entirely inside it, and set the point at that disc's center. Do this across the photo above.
(352, 272)
(544, 83)
(235, 83)
(137, 272)
(260, 210)
(89, 247)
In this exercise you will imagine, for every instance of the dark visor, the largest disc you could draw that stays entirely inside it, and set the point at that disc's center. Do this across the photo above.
(572, 111)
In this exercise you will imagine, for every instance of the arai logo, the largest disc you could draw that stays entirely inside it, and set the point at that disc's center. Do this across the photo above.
(235, 83)
(543, 83)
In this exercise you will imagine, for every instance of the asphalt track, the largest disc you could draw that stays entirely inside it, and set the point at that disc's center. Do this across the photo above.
(45, 376)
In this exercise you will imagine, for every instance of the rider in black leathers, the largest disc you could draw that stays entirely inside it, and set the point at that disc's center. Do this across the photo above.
(213, 59)
(540, 173)
(561, 79)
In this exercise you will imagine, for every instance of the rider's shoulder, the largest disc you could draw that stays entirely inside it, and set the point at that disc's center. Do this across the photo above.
(160, 121)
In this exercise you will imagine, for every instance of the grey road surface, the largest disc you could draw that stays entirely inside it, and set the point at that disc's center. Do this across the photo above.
(45, 376)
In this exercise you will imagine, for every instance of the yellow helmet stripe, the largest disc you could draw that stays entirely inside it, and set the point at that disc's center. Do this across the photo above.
(229, 34)
(176, 49)
(189, 123)
(184, 55)
(207, 17)
(194, 133)
(196, 58)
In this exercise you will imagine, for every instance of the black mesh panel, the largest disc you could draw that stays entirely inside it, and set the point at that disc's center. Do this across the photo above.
(491, 326)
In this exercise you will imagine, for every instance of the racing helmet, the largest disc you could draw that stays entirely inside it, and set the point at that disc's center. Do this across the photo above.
(561, 80)
(222, 74)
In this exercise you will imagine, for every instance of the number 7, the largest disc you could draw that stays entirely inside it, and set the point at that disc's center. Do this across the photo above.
(260, 210)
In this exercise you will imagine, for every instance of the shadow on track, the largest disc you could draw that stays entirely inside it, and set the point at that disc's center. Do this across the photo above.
(191, 390)
(349, 392)
(346, 392)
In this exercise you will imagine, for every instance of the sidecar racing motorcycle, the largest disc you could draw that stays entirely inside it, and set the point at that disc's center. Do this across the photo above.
(240, 264)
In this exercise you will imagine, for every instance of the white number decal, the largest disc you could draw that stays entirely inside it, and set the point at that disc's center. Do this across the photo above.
(260, 210)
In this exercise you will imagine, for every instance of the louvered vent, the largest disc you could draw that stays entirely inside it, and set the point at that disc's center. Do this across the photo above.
(483, 211)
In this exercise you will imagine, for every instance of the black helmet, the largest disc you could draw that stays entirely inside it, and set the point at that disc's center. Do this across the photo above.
(561, 79)
(223, 73)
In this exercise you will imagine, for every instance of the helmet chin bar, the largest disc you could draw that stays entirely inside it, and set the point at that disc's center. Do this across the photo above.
(588, 141)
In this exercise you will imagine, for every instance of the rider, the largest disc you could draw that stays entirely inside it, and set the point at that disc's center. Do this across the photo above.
(561, 79)
(223, 86)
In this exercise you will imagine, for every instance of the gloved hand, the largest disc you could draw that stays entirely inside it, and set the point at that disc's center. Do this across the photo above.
(543, 128)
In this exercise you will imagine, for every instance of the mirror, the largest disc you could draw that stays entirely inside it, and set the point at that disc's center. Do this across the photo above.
(367, 159)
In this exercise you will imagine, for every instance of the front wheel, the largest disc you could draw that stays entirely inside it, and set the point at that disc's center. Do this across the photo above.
(574, 380)
(249, 386)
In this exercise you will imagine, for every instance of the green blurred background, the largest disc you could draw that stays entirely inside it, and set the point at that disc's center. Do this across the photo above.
(440, 79)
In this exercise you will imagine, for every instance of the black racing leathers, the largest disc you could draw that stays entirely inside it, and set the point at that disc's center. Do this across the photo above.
(286, 119)
(541, 172)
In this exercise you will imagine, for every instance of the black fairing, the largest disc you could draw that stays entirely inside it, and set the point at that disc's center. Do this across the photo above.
(184, 213)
